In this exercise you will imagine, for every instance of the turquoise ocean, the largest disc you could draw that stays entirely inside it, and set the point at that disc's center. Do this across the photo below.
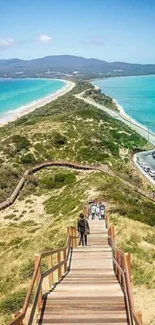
(16, 93)
(136, 95)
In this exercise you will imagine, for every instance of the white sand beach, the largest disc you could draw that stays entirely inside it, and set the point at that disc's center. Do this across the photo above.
(12, 115)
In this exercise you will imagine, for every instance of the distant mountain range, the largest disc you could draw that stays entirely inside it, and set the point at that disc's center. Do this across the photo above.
(68, 65)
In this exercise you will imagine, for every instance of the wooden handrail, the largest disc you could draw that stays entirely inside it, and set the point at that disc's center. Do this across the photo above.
(122, 268)
(74, 165)
(20, 316)
(52, 252)
(121, 262)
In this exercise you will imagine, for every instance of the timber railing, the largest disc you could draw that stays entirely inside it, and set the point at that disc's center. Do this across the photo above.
(58, 264)
(122, 269)
(102, 168)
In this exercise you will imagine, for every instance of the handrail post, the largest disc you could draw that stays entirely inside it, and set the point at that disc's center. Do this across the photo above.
(36, 257)
(65, 263)
(71, 237)
(17, 314)
(50, 265)
(74, 241)
(128, 260)
(113, 233)
(139, 316)
(106, 220)
(59, 269)
(77, 238)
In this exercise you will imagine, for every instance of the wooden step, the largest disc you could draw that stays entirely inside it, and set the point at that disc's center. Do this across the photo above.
(96, 299)
(107, 321)
(54, 306)
(90, 292)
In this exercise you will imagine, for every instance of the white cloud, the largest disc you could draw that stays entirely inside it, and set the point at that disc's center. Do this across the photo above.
(44, 39)
(6, 42)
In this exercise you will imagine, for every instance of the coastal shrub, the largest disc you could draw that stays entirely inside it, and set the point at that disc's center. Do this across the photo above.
(28, 159)
(21, 120)
(31, 121)
(6, 283)
(26, 270)
(141, 274)
(16, 218)
(113, 147)
(59, 139)
(15, 241)
(21, 142)
(57, 180)
(40, 148)
(10, 216)
(47, 182)
(13, 302)
(92, 154)
(88, 113)
(28, 223)
(8, 177)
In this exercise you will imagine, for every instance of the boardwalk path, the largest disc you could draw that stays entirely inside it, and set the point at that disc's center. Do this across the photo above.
(103, 168)
(90, 293)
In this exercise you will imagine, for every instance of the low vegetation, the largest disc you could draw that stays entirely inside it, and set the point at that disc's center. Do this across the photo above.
(100, 98)
(68, 129)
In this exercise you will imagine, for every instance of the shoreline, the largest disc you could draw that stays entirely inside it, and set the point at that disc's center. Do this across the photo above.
(127, 118)
(12, 115)
(131, 121)
(123, 114)
(124, 118)
(109, 77)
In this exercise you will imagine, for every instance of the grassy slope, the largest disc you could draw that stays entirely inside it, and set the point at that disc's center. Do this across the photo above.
(67, 129)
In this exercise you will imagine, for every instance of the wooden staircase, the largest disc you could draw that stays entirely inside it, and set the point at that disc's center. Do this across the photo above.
(90, 292)
(89, 285)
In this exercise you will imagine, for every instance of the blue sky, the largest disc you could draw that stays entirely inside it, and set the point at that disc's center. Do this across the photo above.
(111, 30)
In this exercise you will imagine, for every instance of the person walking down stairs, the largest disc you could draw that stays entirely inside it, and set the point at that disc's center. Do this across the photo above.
(93, 211)
(83, 229)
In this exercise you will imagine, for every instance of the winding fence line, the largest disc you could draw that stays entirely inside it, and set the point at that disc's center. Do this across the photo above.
(104, 168)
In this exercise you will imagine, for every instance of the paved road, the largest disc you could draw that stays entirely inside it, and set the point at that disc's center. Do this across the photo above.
(150, 137)
(145, 155)
(148, 159)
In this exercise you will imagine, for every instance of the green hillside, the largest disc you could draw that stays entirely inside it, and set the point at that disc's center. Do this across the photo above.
(69, 129)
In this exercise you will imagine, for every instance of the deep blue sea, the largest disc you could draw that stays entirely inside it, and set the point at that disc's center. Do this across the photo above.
(136, 95)
(15, 93)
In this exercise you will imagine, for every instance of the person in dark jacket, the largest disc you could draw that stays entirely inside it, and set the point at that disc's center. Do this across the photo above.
(83, 229)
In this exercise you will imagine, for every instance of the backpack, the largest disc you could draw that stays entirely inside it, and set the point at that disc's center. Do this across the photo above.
(102, 210)
(93, 209)
(86, 228)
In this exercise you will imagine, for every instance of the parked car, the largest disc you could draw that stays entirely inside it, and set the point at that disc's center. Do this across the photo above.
(140, 161)
(153, 154)
(142, 164)
(152, 173)
(146, 168)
